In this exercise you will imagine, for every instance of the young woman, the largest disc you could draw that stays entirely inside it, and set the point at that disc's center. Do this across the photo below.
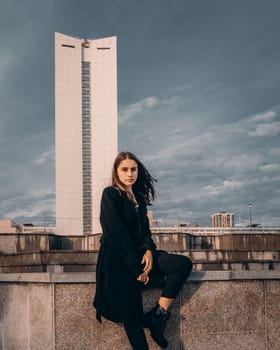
(128, 259)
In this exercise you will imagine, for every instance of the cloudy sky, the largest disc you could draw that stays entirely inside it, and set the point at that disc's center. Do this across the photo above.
(198, 100)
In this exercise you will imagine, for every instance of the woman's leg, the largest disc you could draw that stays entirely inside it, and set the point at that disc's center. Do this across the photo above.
(136, 336)
(165, 303)
(176, 269)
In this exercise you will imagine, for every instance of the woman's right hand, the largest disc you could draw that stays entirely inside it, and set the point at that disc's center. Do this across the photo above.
(143, 278)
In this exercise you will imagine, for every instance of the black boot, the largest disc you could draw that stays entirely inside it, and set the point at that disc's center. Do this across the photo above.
(156, 320)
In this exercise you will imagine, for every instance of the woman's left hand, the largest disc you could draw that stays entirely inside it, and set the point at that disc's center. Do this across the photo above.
(147, 260)
(143, 278)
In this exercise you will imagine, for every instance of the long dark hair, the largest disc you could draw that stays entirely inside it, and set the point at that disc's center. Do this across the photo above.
(144, 184)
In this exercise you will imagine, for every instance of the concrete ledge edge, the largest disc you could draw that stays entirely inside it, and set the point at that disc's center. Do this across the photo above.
(89, 277)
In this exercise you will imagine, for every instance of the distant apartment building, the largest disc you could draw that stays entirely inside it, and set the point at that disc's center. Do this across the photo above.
(8, 226)
(85, 129)
(222, 219)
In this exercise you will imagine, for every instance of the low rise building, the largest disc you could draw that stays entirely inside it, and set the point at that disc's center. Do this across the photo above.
(8, 226)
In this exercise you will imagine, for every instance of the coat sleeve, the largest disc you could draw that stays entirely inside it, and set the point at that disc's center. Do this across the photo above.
(147, 241)
(115, 232)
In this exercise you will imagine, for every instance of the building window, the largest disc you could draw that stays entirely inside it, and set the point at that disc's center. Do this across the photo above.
(71, 46)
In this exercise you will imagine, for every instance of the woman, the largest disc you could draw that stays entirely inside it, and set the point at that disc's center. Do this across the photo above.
(128, 259)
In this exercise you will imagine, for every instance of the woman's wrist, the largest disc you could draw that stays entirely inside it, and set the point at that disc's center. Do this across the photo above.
(149, 252)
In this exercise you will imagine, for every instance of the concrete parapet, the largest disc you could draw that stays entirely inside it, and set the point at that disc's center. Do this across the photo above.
(28, 242)
(214, 311)
(180, 241)
(49, 261)
(244, 241)
(217, 231)
(174, 241)
(85, 260)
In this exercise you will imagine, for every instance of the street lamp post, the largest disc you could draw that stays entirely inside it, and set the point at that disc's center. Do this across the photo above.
(250, 208)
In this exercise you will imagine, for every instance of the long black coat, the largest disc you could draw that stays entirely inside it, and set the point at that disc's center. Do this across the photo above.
(126, 237)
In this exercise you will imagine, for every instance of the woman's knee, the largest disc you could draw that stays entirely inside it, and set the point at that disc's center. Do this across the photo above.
(185, 265)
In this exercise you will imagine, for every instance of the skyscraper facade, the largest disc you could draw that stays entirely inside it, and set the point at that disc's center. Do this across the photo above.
(85, 129)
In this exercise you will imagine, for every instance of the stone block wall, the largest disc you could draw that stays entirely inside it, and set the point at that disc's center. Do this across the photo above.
(214, 311)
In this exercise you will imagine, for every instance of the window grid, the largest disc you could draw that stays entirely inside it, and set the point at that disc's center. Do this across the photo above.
(86, 137)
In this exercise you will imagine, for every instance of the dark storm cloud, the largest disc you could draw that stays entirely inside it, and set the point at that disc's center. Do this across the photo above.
(206, 169)
(198, 87)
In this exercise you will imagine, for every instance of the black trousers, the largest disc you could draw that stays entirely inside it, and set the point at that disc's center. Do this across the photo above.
(136, 336)
(169, 272)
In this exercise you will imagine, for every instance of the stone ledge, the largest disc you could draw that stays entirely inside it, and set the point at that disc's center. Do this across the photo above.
(89, 277)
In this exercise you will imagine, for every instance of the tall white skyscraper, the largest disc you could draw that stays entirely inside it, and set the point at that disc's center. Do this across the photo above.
(85, 127)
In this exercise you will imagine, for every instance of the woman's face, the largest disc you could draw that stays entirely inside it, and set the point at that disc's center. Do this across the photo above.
(127, 172)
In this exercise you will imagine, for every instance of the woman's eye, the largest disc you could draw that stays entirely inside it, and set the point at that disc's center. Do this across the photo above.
(127, 169)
